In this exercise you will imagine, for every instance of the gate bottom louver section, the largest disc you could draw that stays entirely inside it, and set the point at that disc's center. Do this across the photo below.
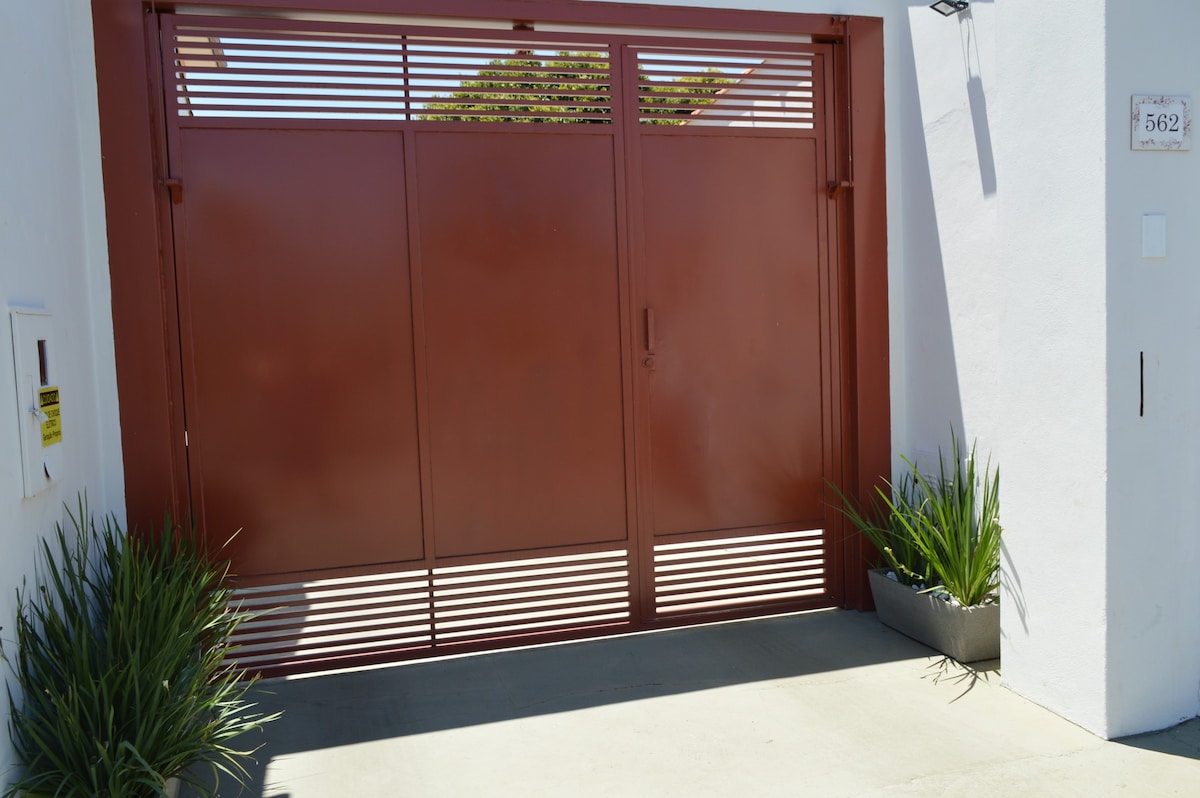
(528, 596)
(414, 612)
(328, 619)
(727, 573)
(318, 624)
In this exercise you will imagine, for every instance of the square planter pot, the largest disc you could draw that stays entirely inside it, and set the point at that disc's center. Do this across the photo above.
(967, 634)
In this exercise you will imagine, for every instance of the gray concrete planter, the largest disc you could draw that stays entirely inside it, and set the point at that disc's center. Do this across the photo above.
(967, 634)
(172, 788)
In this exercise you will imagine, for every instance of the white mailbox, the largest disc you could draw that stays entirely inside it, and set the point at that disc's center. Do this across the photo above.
(39, 400)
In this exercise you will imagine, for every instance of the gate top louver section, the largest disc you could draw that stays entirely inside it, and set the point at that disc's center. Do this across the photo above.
(734, 88)
(264, 69)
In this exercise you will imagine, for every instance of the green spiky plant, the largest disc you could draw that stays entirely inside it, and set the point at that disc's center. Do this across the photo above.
(881, 525)
(120, 665)
(941, 531)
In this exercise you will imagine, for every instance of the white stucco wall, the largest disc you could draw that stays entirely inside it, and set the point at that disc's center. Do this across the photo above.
(1153, 553)
(53, 255)
(1102, 539)
(1051, 247)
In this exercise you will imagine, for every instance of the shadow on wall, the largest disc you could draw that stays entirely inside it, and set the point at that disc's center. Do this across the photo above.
(983, 134)
(932, 401)
(1010, 585)
(978, 104)
(976, 97)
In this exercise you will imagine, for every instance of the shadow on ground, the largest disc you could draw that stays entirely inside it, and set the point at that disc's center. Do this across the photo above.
(432, 695)
(1182, 740)
(965, 676)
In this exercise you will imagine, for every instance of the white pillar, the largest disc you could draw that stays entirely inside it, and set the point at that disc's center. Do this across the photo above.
(1153, 582)
(1050, 132)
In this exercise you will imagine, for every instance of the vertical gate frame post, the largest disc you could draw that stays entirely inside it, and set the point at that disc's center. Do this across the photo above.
(867, 405)
(144, 329)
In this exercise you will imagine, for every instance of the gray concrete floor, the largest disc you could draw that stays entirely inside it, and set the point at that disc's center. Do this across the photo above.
(819, 704)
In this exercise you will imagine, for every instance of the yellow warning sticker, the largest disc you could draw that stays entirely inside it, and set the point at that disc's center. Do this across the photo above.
(51, 415)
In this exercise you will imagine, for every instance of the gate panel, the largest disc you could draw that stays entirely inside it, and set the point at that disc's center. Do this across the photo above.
(297, 339)
(521, 295)
(555, 192)
(733, 279)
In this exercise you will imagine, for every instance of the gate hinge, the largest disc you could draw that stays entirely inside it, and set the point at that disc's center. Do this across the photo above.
(836, 187)
(175, 186)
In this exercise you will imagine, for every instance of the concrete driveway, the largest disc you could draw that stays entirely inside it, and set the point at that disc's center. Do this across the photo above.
(827, 703)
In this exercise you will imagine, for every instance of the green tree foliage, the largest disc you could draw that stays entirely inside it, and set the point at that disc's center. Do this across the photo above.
(680, 99)
(529, 89)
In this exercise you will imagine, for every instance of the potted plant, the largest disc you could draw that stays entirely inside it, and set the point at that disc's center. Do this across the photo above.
(939, 538)
(120, 665)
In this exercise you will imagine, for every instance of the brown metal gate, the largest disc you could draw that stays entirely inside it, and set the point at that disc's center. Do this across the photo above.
(494, 336)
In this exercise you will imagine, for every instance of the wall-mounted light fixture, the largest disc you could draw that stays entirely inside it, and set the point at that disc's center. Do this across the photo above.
(949, 8)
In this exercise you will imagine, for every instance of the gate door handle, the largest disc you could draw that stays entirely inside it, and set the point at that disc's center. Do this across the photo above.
(836, 188)
(175, 186)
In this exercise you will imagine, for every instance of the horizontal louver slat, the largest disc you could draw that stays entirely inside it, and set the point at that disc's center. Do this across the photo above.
(452, 605)
(711, 575)
(484, 601)
(733, 88)
(329, 72)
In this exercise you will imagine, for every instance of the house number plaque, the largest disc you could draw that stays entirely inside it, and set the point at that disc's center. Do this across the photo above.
(1161, 122)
